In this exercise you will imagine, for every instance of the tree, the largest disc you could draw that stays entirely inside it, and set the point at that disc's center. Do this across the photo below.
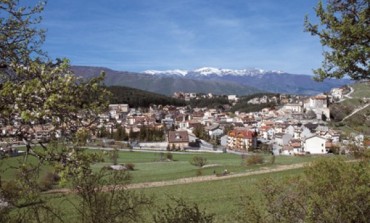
(330, 190)
(120, 133)
(19, 35)
(69, 106)
(198, 161)
(35, 92)
(344, 29)
(53, 95)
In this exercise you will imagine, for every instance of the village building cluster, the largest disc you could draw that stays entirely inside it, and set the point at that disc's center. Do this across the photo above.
(296, 126)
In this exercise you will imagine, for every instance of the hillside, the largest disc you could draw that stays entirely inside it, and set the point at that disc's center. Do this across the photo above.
(139, 98)
(353, 113)
(166, 85)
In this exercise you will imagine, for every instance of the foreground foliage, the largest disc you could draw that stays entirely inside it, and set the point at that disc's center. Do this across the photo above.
(331, 190)
(181, 212)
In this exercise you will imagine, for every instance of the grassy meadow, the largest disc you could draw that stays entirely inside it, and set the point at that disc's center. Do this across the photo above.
(150, 167)
(154, 166)
(220, 197)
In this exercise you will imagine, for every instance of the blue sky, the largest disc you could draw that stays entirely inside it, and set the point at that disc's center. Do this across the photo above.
(137, 35)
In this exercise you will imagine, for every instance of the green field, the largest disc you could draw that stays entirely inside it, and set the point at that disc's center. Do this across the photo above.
(220, 197)
(149, 167)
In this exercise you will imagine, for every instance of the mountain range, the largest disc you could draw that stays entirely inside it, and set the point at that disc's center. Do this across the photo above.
(213, 80)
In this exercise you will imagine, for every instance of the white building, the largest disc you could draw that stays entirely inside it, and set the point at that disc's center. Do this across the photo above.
(297, 108)
(232, 98)
(315, 145)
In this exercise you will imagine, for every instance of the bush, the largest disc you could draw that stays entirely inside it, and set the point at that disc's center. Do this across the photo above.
(254, 159)
(130, 166)
(169, 156)
(181, 212)
(329, 190)
(198, 161)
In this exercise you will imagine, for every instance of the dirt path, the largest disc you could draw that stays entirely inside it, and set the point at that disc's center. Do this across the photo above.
(213, 177)
(197, 179)
(355, 111)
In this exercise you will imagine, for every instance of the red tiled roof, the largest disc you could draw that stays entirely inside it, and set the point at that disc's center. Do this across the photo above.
(242, 134)
(178, 136)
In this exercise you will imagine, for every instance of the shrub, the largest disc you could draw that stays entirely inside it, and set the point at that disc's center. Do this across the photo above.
(130, 166)
(329, 190)
(198, 161)
(169, 156)
(254, 159)
(182, 212)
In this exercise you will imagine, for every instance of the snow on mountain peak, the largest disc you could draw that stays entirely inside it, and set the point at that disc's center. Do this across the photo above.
(169, 72)
(206, 71)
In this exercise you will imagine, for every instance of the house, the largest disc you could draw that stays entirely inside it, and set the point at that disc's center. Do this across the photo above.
(337, 93)
(294, 147)
(319, 105)
(315, 145)
(282, 139)
(332, 135)
(319, 101)
(293, 108)
(241, 139)
(306, 132)
(266, 132)
(214, 130)
(168, 122)
(116, 110)
(178, 139)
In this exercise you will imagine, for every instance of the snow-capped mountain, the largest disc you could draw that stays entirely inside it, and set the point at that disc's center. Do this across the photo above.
(266, 80)
(211, 71)
(215, 80)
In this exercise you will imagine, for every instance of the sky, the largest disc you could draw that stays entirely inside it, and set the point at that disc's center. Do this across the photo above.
(139, 35)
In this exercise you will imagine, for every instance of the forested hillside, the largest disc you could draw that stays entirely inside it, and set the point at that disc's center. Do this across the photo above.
(139, 98)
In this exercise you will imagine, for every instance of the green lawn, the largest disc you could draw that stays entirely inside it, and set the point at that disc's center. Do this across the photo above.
(148, 166)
